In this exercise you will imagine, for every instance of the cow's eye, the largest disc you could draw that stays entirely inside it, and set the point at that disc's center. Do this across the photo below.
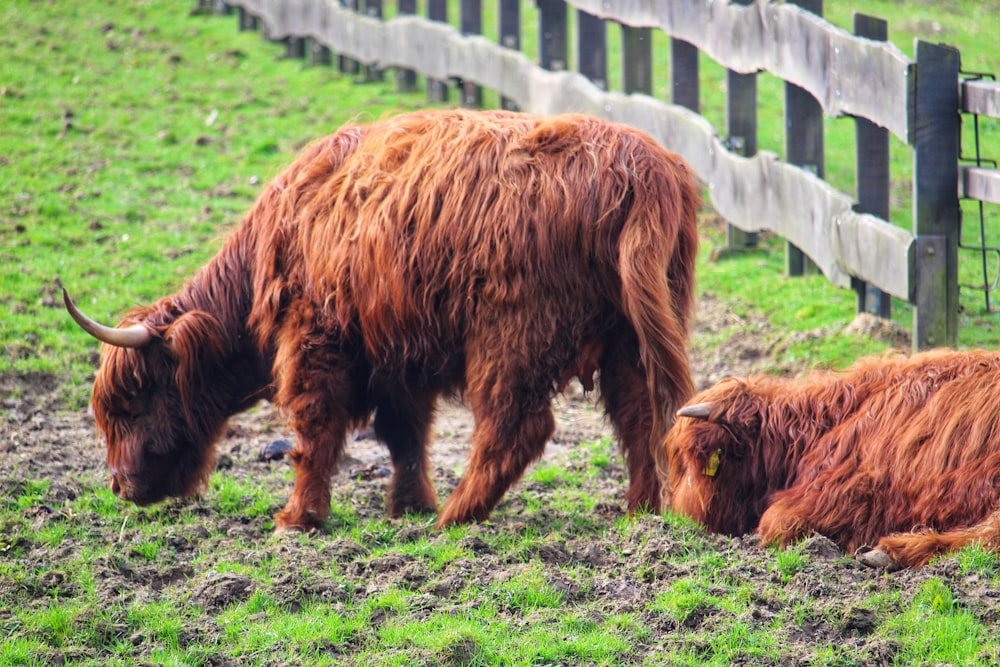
(130, 404)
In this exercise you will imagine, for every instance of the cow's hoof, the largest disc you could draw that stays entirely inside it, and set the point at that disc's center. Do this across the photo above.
(876, 559)
(285, 531)
(308, 522)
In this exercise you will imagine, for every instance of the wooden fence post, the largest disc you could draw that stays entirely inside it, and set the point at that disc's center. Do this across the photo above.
(471, 20)
(741, 130)
(803, 143)
(295, 47)
(246, 20)
(684, 85)
(936, 209)
(553, 51)
(347, 65)
(637, 60)
(370, 73)
(592, 48)
(317, 53)
(510, 36)
(437, 90)
(872, 173)
(406, 79)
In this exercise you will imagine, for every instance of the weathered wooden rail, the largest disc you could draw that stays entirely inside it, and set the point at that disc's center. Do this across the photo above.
(826, 69)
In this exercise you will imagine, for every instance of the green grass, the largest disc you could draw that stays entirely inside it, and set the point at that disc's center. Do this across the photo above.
(966, 25)
(241, 497)
(531, 613)
(683, 599)
(133, 136)
(131, 152)
(944, 633)
(969, 26)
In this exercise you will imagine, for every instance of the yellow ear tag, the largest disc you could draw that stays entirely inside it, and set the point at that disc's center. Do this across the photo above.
(712, 466)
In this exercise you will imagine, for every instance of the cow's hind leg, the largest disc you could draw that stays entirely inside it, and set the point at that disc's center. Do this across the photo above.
(916, 549)
(626, 400)
(402, 422)
(510, 395)
(502, 448)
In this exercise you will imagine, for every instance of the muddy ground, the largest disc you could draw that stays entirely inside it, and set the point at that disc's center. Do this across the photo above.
(41, 440)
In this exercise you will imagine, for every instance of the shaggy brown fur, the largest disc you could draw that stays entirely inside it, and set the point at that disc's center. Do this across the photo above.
(489, 254)
(899, 453)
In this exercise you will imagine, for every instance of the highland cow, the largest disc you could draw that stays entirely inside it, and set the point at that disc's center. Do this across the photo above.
(896, 459)
(489, 255)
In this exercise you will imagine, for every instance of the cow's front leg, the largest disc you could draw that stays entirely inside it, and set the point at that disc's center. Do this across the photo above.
(837, 503)
(314, 460)
(314, 387)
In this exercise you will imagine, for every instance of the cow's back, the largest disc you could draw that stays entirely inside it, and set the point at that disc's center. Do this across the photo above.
(439, 221)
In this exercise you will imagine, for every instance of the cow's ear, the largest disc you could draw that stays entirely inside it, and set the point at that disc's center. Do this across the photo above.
(198, 343)
(196, 337)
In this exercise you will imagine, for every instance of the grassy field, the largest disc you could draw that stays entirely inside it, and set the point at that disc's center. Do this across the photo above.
(132, 142)
(559, 577)
(132, 136)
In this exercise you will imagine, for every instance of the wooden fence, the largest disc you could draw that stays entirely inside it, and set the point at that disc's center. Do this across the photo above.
(827, 72)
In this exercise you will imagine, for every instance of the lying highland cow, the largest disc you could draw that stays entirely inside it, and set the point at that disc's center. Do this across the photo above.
(489, 254)
(901, 454)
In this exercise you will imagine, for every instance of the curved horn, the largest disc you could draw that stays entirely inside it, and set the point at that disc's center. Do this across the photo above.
(696, 411)
(132, 336)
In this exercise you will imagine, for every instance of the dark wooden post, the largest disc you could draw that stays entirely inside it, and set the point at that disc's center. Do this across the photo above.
(684, 86)
(741, 130)
(471, 20)
(437, 91)
(370, 73)
(592, 48)
(295, 47)
(936, 209)
(803, 142)
(406, 79)
(872, 173)
(347, 65)
(637, 60)
(510, 36)
(552, 40)
(246, 20)
(317, 54)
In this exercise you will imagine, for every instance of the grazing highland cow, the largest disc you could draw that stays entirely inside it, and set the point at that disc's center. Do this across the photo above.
(493, 255)
(901, 454)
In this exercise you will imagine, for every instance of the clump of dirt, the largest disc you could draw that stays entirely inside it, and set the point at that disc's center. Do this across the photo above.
(876, 328)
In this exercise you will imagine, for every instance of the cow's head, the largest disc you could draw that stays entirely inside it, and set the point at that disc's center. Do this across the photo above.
(157, 401)
(718, 472)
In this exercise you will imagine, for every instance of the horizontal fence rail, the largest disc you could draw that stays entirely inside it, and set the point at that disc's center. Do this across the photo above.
(981, 183)
(754, 194)
(980, 97)
(827, 72)
(846, 74)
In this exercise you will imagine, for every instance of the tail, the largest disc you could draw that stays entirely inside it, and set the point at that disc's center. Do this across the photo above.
(656, 258)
